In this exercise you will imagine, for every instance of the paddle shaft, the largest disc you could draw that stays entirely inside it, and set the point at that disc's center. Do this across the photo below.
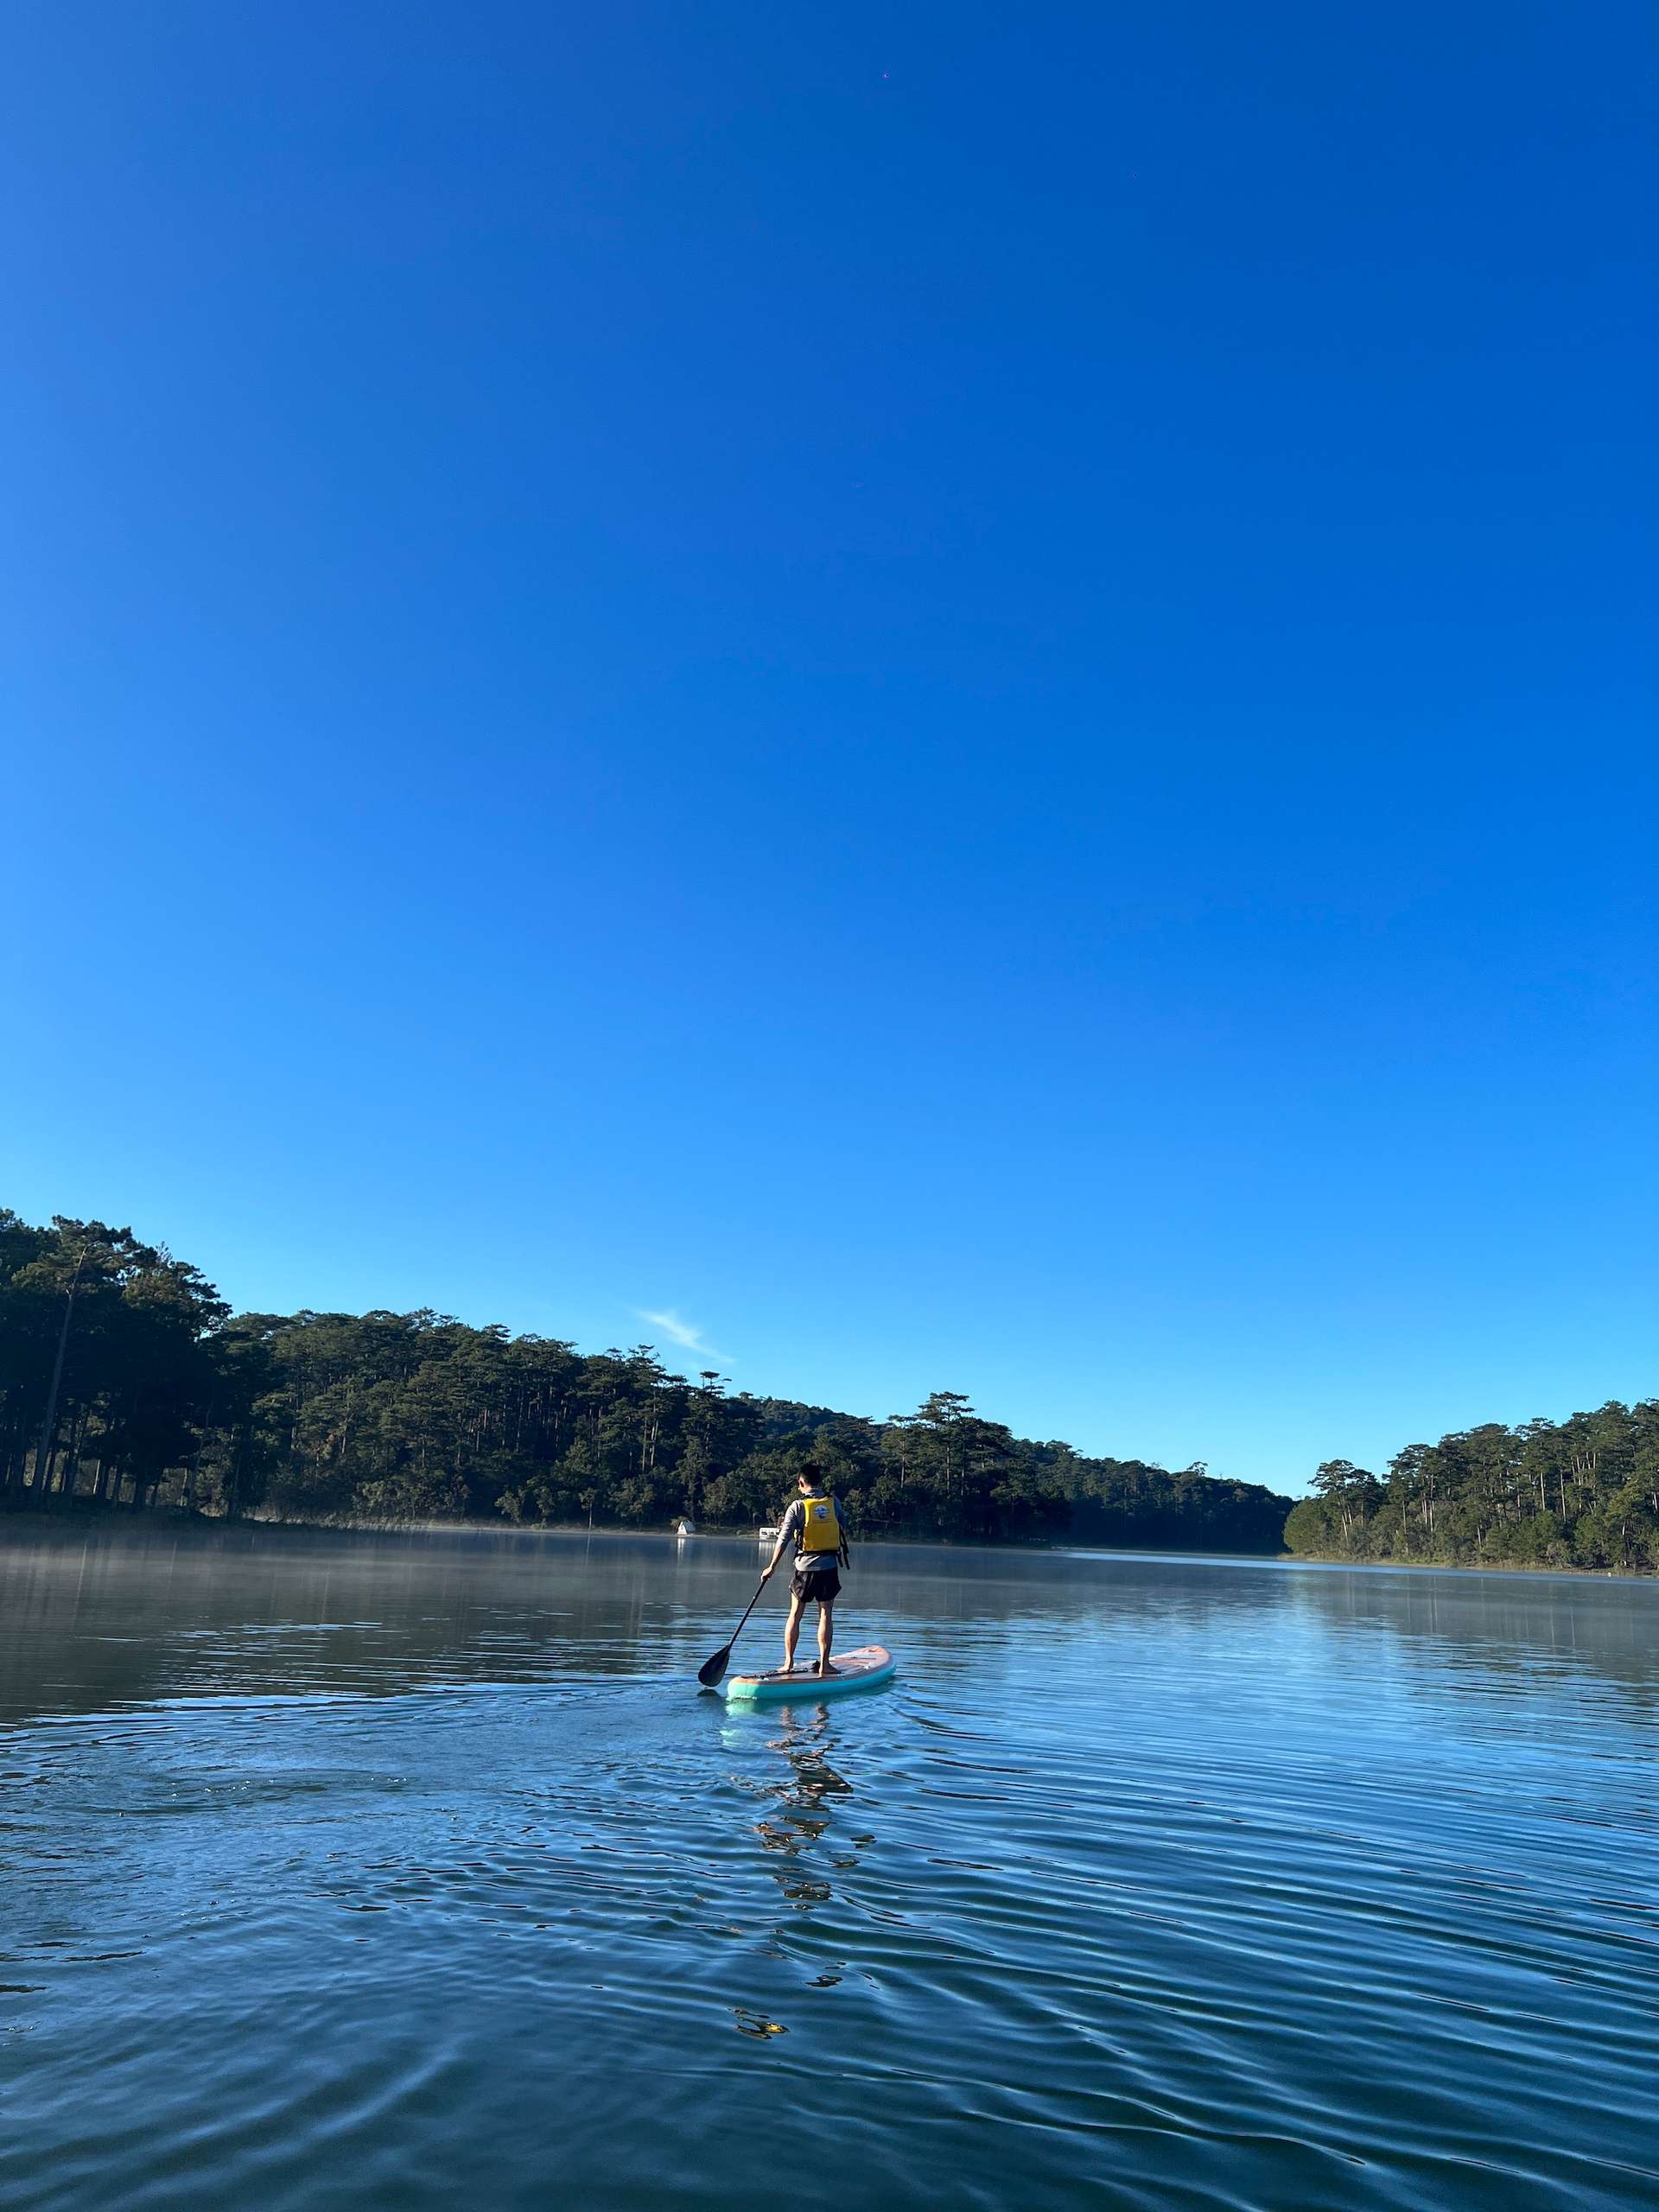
(749, 1608)
(711, 1670)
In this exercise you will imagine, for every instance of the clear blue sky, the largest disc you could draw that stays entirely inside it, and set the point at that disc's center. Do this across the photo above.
(958, 691)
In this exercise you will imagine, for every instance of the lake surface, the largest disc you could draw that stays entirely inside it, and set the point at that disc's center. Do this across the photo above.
(416, 1872)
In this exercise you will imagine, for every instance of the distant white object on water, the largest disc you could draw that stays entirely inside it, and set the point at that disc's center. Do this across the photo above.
(686, 1529)
(767, 1536)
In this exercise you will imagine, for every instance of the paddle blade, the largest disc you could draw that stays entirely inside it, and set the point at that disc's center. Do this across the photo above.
(712, 1672)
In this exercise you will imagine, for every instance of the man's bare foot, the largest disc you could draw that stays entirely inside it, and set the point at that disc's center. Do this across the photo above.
(824, 1668)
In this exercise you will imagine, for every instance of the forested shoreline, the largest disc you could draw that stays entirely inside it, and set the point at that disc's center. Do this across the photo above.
(126, 1381)
(1582, 1492)
(163, 1397)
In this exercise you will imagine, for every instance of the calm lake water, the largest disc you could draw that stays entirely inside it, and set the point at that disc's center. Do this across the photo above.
(416, 1872)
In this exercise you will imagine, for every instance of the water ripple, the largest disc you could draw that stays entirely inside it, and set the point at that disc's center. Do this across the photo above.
(379, 1877)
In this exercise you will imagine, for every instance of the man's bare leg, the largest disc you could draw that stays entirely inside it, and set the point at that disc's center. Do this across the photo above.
(791, 1630)
(826, 1636)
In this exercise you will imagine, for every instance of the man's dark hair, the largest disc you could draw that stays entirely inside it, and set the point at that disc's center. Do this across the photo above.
(810, 1471)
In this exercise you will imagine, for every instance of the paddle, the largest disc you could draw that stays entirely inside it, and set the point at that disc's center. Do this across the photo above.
(712, 1672)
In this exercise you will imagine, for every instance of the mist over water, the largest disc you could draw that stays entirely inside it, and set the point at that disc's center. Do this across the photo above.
(414, 1872)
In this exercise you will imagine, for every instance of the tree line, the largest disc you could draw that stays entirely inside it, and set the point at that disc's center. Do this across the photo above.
(125, 1378)
(1581, 1492)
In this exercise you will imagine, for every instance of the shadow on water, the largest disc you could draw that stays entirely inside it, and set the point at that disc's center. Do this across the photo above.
(807, 1840)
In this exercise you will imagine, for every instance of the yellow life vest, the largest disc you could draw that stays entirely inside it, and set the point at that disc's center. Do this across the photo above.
(820, 1525)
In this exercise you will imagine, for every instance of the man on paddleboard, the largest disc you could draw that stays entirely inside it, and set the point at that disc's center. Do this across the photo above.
(813, 1524)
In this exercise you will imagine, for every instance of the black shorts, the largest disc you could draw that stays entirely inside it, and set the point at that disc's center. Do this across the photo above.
(819, 1583)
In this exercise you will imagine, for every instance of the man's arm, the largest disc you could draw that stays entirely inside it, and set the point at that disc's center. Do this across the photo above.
(782, 1545)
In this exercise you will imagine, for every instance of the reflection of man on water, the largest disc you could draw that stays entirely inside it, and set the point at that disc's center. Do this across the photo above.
(813, 1522)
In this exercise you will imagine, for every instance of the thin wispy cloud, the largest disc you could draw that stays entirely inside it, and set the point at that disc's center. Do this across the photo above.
(685, 1333)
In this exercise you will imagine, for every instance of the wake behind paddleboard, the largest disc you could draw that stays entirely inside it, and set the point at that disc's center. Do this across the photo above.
(855, 1670)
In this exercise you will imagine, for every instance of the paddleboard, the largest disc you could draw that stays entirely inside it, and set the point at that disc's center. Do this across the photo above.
(855, 1670)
